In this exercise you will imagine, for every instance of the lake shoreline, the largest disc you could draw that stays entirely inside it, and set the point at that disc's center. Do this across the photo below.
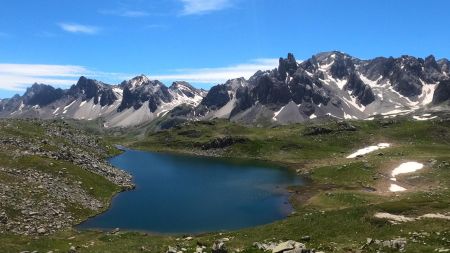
(281, 190)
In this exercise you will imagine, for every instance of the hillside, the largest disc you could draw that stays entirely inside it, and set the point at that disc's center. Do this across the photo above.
(346, 201)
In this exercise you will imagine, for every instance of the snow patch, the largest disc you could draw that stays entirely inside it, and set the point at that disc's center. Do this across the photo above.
(397, 112)
(69, 105)
(407, 167)
(276, 114)
(118, 91)
(369, 149)
(396, 188)
(427, 93)
(419, 118)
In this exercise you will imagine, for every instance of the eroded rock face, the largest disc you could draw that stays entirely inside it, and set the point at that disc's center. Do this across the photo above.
(287, 67)
(217, 97)
(88, 89)
(41, 95)
(140, 90)
(442, 92)
(359, 89)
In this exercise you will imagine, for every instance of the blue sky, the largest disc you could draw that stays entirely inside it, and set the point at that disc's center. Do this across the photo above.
(203, 41)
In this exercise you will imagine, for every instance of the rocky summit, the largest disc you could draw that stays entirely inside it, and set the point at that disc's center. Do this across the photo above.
(330, 84)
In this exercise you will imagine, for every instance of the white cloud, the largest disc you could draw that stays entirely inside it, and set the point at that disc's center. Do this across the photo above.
(77, 28)
(198, 7)
(4, 35)
(220, 74)
(17, 77)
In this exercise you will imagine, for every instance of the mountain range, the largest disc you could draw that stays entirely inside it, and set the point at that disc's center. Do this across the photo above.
(330, 84)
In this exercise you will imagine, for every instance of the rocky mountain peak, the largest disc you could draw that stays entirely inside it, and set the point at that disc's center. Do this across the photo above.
(287, 67)
(88, 89)
(137, 82)
(41, 95)
(329, 83)
(181, 85)
(186, 89)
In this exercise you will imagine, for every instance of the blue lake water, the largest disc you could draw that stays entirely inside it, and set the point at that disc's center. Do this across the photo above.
(185, 194)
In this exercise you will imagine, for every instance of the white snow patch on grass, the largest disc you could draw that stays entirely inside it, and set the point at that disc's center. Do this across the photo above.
(407, 167)
(396, 188)
(369, 149)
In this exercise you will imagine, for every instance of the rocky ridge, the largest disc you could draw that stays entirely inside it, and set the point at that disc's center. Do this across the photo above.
(38, 192)
(331, 84)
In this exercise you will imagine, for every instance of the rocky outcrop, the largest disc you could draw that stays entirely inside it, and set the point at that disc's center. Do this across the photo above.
(442, 92)
(41, 95)
(359, 89)
(87, 89)
(140, 89)
(217, 97)
(219, 247)
(398, 244)
(289, 246)
(287, 67)
(43, 199)
(223, 142)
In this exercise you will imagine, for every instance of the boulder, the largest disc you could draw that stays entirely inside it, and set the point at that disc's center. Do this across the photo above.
(171, 249)
(219, 247)
(289, 247)
(3, 218)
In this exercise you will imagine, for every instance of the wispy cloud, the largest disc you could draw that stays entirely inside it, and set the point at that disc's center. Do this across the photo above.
(125, 13)
(220, 74)
(78, 28)
(17, 77)
(198, 7)
(3, 35)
